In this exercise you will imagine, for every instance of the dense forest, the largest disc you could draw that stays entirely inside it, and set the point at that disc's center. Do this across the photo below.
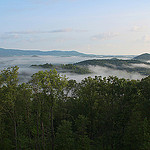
(51, 112)
(72, 68)
(119, 64)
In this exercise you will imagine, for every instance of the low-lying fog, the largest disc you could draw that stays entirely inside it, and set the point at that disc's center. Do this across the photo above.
(25, 71)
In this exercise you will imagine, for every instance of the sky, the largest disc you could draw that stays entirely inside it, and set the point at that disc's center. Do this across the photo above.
(103, 27)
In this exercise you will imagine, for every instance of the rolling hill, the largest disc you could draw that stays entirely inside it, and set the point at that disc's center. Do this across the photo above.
(143, 57)
(128, 65)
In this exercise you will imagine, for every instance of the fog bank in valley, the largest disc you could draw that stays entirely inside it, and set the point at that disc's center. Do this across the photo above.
(25, 71)
(105, 72)
(140, 65)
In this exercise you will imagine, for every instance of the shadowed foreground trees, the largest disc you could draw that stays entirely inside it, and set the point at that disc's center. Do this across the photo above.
(51, 112)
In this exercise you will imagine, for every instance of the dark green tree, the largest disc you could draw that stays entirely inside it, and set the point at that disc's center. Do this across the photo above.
(64, 136)
(51, 85)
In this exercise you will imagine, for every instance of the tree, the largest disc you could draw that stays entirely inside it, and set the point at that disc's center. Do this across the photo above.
(83, 141)
(51, 85)
(8, 84)
(64, 136)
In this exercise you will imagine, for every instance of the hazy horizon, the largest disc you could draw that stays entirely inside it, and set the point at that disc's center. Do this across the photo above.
(93, 27)
(70, 51)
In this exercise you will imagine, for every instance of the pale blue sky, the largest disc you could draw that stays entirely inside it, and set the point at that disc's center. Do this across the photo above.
(89, 26)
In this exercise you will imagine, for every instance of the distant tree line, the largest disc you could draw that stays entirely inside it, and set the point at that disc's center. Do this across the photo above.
(43, 66)
(53, 113)
(76, 69)
(66, 68)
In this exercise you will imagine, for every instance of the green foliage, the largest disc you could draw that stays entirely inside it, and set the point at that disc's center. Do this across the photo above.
(51, 112)
(146, 134)
(43, 66)
(118, 64)
(76, 69)
(83, 141)
(9, 76)
(66, 68)
(64, 136)
(48, 82)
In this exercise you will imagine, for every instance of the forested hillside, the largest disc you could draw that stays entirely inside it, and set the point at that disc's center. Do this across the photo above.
(65, 68)
(53, 113)
(131, 66)
(135, 66)
(144, 57)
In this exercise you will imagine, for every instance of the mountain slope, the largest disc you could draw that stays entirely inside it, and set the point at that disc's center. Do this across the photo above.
(127, 65)
(144, 57)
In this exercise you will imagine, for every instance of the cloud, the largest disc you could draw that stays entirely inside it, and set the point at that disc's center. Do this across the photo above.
(66, 30)
(62, 30)
(9, 36)
(146, 38)
(138, 29)
(105, 36)
(41, 32)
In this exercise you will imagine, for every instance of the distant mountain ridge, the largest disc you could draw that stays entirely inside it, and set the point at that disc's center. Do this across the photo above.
(144, 56)
(15, 52)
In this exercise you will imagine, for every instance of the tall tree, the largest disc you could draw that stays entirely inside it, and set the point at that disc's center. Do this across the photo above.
(51, 85)
(9, 83)
(64, 136)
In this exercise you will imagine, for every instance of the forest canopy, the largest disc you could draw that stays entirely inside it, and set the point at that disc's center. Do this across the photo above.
(51, 112)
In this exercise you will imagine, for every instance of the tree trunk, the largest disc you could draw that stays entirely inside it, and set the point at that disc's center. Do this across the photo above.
(52, 128)
(15, 129)
(43, 137)
(37, 126)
